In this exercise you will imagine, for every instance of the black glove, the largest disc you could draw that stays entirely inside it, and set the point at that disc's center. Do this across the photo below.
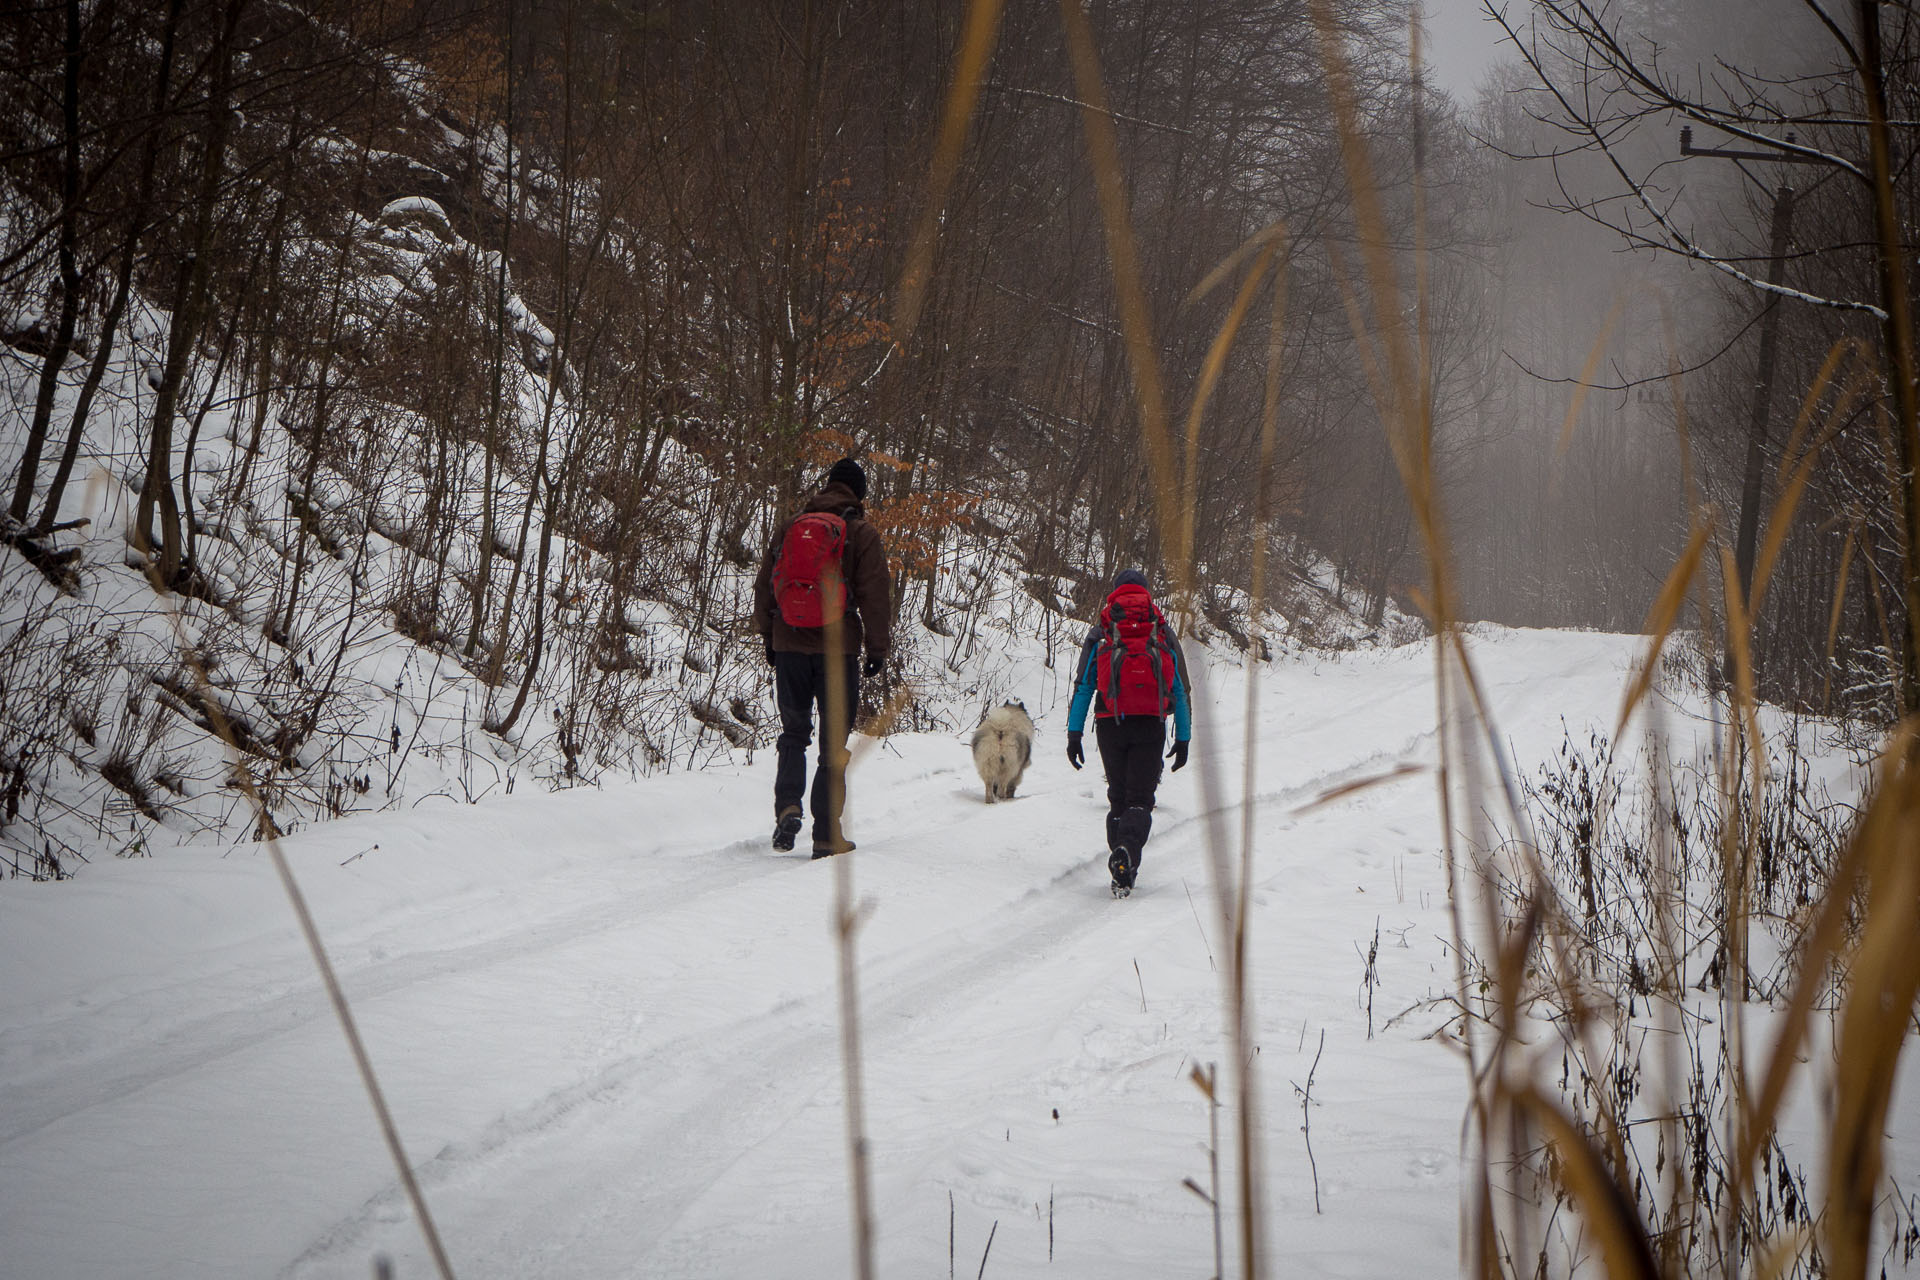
(872, 667)
(768, 641)
(1178, 754)
(1075, 755)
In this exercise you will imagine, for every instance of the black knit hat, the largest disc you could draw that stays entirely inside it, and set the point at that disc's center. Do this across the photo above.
(851, 474)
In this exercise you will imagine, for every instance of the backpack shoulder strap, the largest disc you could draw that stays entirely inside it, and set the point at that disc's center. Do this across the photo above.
(1172, 644)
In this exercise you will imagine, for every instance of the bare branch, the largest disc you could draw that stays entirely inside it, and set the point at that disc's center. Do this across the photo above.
(1677, 241)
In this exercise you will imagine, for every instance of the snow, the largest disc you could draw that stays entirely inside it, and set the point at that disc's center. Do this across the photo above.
(370, 636)
(607, 1020)
(419, 205)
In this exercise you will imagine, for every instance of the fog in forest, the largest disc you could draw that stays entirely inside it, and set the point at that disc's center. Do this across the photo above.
(520, 324)
(1637, 384)
(398, 402)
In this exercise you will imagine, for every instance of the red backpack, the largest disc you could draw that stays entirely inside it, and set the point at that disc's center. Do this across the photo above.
(807, 581)
(1136, 664)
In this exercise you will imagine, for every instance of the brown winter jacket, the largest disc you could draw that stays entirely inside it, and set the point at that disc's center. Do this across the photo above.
(869, 587)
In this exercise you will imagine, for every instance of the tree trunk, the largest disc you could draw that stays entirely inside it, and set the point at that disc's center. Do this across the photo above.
(490, 449)
(189, 316)
(1897, 335)
(69, 269)
(123, 284)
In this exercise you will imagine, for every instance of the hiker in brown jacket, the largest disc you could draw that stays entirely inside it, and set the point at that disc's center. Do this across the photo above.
(805, 583)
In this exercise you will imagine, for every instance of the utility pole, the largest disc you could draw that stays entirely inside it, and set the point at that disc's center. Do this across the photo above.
(1755, 469)
(1762, 397)
(1748, 531)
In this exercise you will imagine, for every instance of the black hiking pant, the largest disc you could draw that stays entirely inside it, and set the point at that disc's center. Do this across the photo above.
(799, 689)
(1130, 754)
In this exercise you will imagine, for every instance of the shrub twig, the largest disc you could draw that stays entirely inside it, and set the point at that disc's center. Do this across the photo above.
(1306, 1117)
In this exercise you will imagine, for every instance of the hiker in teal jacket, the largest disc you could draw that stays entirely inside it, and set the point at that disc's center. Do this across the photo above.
(1133, 673)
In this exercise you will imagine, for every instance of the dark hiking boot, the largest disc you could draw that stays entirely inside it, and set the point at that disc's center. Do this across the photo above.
(1133, 827)
(1121, 870)
(785, 828)
(827, 848)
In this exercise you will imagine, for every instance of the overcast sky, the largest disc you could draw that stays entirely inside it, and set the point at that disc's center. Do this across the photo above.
(1463, 44)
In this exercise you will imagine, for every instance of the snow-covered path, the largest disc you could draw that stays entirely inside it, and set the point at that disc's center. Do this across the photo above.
(608, 1025)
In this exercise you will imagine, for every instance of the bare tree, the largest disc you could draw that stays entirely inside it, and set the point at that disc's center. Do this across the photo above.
(1817, 100)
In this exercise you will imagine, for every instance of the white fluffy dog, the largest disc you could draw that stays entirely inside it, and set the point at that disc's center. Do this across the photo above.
(1002, 749)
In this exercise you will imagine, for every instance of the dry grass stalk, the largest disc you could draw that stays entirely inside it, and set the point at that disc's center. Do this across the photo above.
(1661, 618)
(963, 96)
(1404, 399)
(1839, 607)
(1780, 519)
(242, 774)
(834, 728)
(1506, 1105)
(1740, 838)
(1626, 1252)
(1532, 953)
(1584, 384)
(969, 73)
(1210, 371)
(1262, 531)
(1333, 795)
(1397, 372)
(1123, 255)
(1173, 507)
(1233, 889)
(845, 928)
(1877, 1017)
(1879, 876)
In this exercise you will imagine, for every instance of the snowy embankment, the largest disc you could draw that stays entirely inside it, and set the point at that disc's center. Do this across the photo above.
(608, 1025)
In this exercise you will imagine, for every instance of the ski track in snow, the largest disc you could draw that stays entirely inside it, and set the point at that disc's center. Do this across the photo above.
(609, 1027)
(905, 994)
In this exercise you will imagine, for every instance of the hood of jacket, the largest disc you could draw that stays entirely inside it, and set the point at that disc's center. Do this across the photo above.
(1128, 578)
(1129, 599)
(839, 499)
